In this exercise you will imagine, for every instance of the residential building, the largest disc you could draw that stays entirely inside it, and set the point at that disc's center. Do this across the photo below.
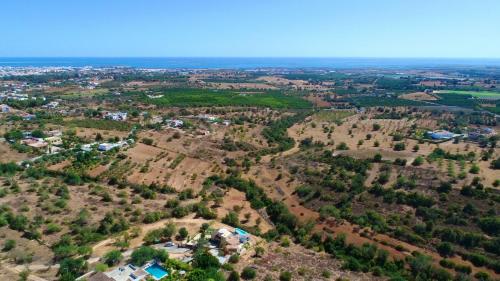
(441, 135)
(481, 133)
(107, 146)
(116, 116)
(28, 117)
(5, 108)
(52, 105)
(231, 242)
(34, 142)
(174, 123)
(54, 140)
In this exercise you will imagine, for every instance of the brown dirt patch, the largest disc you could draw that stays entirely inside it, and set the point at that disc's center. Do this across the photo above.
(421, 96)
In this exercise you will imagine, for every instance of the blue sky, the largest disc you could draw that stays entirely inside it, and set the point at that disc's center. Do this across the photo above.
(253, 28)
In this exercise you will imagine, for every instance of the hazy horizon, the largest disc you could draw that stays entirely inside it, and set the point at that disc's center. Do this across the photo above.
(245, 63)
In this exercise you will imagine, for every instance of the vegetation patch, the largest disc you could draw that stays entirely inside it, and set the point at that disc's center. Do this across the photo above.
(206, 97)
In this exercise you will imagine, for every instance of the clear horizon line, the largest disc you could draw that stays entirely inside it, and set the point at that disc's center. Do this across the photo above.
(260, 57)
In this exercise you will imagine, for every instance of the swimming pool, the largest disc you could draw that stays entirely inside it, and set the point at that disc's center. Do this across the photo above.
(157, 271)
(240, 231)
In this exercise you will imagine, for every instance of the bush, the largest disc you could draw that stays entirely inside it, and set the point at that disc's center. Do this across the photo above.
(70, 269)
(52, 228)
(445, 249)
(463, 268)
(342, 146)
(400, 146)
(418, 161)
(377, 158)
(477, 259)
(145, 253)
(101, 267)
(474, 169)
(285, 242)
(204, 260)
(444, 187)
(183, 233)
(231, 219)
(152, 217)
(233, 276)
(9, 245)
(235, 258)
(400, 162)
(285, 276)
(397, 137)
(447, 263)
(248, 273)
(147, 141)
(482, 276)
(490, 225)
(495, 164)
(113, 257)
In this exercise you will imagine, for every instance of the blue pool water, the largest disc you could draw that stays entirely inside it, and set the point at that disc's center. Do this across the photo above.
(240, 231)
(157, 271)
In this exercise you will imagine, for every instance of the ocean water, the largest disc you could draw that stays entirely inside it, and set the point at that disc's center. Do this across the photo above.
(243, 63)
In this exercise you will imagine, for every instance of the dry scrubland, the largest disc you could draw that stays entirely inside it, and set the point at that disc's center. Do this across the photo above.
(295, 173)
(185, 161)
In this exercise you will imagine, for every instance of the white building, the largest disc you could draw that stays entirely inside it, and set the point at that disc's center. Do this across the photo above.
(107, 146)
(52, 105)
(116, 116)
(174, 123)
(5, 108)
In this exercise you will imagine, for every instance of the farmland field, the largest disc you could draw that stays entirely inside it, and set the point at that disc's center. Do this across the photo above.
(476, 94)
(199, 97)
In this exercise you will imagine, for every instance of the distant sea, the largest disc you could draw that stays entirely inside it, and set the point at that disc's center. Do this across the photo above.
(244, 63)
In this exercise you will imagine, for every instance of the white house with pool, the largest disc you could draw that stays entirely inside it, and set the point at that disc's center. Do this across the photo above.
(129, 272)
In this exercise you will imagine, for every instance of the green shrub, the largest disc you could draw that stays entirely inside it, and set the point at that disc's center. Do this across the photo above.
(285, 276)
(9, 245)
(234, 258)
(113, 257)
(145, 253)
(248, 273)
(52, 228)
(419, 160)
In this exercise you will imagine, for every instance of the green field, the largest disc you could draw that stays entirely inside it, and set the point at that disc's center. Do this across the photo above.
(476, 94)
(99, 124)
(205, 97)
(77, 95)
